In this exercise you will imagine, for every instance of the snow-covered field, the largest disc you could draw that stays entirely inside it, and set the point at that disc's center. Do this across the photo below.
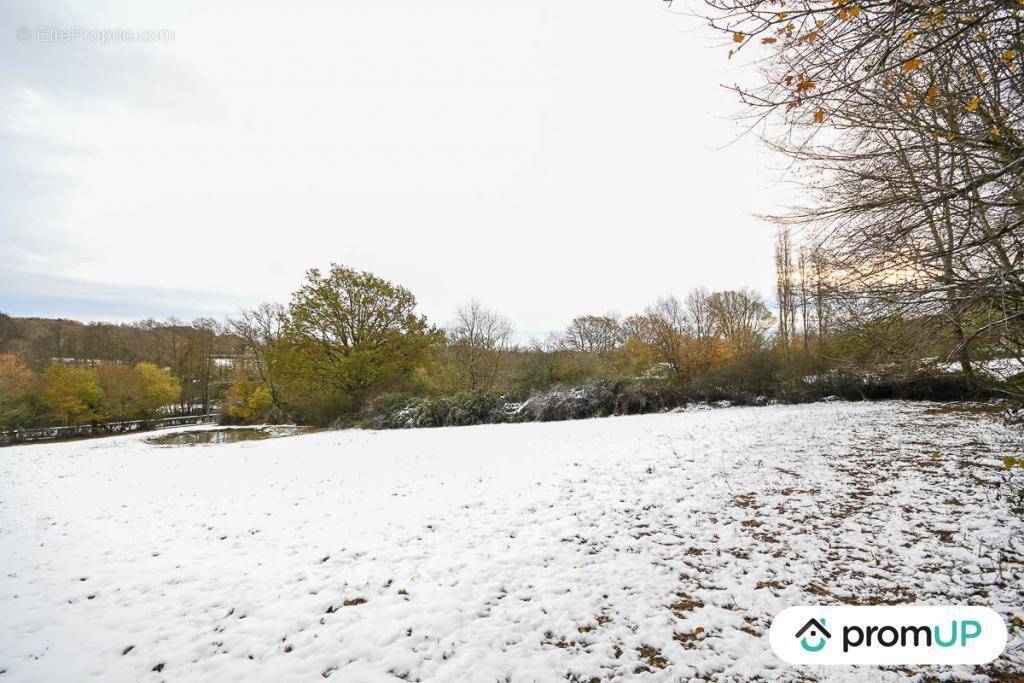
(654, 547)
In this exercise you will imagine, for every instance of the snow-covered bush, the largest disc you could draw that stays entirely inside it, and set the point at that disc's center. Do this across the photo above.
(468, 408)
(600, 398)
(592, 399)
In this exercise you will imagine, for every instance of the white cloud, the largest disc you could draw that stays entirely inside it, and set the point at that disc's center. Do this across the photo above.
(549, 159)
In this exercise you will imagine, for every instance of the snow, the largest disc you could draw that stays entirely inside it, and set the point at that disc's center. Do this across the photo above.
(651, 547)
(996, 368)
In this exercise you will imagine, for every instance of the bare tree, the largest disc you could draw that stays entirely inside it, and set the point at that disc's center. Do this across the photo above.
(263, 331)
(663, 328)
(743, 320)
(784, 287)
(906, 120)
(702, 329)
(477, 339)
(600, 334)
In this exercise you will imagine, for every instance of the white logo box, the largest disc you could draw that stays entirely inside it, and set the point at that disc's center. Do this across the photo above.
(897, 634)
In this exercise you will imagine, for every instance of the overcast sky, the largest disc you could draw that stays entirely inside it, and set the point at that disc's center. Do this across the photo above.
(548, 158)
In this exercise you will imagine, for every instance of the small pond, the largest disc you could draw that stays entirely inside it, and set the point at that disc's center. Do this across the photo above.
(218, 436)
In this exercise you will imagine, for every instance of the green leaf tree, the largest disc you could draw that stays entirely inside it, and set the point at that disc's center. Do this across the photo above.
(159, 388)
(73, 395)
(248, 401)
(349, 332)
(136, 392)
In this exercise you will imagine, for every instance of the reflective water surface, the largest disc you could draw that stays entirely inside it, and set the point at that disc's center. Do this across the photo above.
(216, 436)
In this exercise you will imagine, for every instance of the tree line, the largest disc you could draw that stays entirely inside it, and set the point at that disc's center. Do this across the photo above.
(349, 340)
(63, 372)
(348, 337)
(75, 395)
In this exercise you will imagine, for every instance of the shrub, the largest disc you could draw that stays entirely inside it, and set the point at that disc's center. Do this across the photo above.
(592, 399)
(247, 402)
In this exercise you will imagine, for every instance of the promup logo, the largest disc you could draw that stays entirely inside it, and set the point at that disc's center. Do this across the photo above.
(912, 634)
(817, 631)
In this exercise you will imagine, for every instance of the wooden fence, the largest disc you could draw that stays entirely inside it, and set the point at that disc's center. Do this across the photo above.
(100, 429)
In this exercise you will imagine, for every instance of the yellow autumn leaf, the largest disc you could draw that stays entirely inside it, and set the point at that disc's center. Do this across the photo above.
(932, 93)
(769, 41)
(975, 103)
(737, 37)
(912, 65)
(1009, 55)
(819, 116)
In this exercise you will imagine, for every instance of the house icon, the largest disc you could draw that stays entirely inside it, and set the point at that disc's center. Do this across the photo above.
(817, 630)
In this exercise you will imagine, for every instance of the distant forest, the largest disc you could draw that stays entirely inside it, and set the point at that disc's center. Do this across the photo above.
(58, 372)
